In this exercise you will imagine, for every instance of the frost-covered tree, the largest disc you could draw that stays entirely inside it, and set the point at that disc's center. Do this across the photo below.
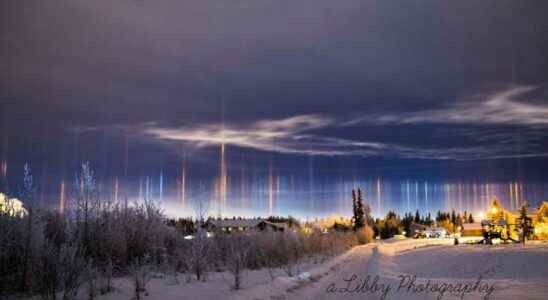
(198, 254)
(237, 257)
(87, 202)
(28, 196)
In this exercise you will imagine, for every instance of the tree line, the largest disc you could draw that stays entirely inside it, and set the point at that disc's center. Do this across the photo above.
(54, 254)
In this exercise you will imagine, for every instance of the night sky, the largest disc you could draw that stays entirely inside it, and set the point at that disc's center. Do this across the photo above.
(421, 103)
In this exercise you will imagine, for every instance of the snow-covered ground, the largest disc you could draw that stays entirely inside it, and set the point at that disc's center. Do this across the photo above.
(503, 272)
(217, 286)
(514, 272)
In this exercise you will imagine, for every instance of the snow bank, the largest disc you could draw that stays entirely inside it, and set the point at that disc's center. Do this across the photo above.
(514, 262)
(393, 247)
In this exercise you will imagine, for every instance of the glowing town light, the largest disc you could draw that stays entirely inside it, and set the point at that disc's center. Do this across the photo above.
(11, 206)
(494, 210)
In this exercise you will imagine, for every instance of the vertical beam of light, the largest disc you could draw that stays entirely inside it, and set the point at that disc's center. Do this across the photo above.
(62, 197)
(516, 195)
(43, 177)
(116, 190)
(292, 187)
(408, 198)
(4, 169)
(161, 185)
(183, 184)
(4, 166)
(417, 195)
(446, 196)
(522, 193)
(126, 155)
(487, 194)
(147, 189)
(379, 196)
(270, 189)
(459, 197)
(243, 194)
(140, 189)
(426, 195)
(278, 194)
(475, 196)
(223, 181)
(310, 184)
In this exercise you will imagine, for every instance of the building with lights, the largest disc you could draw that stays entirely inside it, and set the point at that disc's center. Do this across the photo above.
(234, 225)
(11, 206)
(504, 222)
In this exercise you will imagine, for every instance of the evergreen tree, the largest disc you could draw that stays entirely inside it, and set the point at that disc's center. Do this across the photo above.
(367, 213)
(524, 222)
(438, 216)
(391, 225)
(470, 218)
(417, 217)
(406, 223)
(428, 221)
(359, 218)
(454, 220)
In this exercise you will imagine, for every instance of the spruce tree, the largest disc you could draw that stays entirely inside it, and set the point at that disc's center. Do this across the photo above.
(429, 220)
(524, 222)
(359, 217)
(454, 221)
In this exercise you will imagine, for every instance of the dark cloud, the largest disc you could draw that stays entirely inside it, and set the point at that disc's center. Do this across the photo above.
(418, 80)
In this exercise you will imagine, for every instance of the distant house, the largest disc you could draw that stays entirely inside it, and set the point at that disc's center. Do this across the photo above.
(472, 230)
(435, 232)
(416, 228)
(234, 225)
(505, 222)
(11, 206)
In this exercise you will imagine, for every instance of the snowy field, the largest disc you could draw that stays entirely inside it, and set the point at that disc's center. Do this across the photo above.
(514, 271)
